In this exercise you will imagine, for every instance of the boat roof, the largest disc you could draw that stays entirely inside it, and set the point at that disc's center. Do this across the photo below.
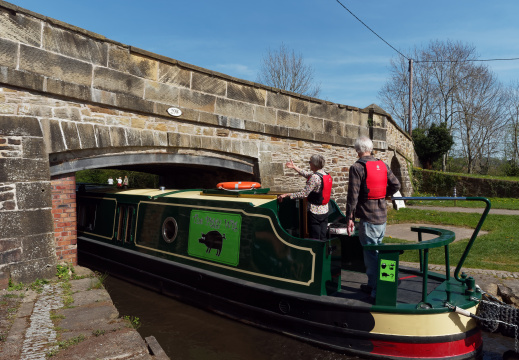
(197, 194)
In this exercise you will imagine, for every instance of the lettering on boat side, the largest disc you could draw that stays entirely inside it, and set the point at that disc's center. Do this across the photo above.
(215, 236)
(387, 270)
(173, 111)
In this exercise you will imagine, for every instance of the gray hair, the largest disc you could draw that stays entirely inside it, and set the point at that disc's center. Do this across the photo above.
(363, 144)
(317, 161)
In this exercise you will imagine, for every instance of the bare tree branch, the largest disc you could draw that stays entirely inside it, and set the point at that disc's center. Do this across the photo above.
(285, 70)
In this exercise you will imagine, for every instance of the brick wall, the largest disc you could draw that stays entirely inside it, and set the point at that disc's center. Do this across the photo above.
(64, 216)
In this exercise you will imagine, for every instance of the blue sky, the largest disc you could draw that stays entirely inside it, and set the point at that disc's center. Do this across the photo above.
(350, 62)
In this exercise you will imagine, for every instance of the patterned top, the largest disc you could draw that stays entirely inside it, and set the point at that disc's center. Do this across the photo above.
(313, 184)
(373, 211)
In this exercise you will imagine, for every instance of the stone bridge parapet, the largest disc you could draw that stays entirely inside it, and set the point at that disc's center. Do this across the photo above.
(71, 99)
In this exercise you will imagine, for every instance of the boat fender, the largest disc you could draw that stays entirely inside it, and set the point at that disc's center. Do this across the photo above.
(463, 312)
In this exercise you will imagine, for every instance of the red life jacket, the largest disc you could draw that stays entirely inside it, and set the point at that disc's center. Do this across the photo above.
(375, 184)
(322, 196)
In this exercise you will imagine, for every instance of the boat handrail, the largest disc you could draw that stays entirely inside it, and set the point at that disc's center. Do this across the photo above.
(391, 252)
(476, 230)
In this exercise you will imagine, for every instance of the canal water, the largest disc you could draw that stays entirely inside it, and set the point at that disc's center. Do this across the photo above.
(189, 333)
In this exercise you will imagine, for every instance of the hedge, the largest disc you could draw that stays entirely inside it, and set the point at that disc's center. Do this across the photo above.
(442, 184)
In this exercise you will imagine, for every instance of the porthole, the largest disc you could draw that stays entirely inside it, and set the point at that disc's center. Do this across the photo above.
(169, 230)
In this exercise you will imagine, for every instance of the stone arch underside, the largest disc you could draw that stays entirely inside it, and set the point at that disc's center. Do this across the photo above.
(175, 169)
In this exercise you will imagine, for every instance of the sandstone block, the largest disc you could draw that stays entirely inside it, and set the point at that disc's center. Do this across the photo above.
(23, 170)
(22, 79)
(276, 130)
(265, 115)
(164, 93)
(231, 122)
(133, 137)
(246, 93)
(147, 138)
(55, 66)
(208, 84)
(118, 82)
(235, 109)
(195, 100)
(174, 75)
(32, 195)
(299, 106)
(278, 101)
(63, 88)
(102, 134)
(20, 28)
(286, 119)
(379, 133)
(118, 136)
(311, 124)
(123, 60)
(86, 135)
(75, 45)
(324, 110)
(19, 126)
(8, 53)
(254, 126)
(71, 135)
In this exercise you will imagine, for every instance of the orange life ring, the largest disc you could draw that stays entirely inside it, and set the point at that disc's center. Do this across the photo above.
(238, 185)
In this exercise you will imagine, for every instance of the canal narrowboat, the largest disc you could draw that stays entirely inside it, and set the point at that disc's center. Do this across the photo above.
(245, 255)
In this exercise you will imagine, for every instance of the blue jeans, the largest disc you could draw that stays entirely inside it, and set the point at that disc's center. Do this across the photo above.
(371, 234)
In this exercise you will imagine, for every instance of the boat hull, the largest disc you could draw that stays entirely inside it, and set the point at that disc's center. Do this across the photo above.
(326, 321)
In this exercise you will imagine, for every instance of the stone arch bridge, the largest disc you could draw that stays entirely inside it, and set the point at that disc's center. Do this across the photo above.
(72, 100)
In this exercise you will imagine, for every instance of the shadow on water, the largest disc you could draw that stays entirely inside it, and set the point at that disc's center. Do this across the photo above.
(188, 333)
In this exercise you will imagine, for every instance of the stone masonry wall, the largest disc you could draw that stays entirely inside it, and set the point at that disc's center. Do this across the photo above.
(26, 236)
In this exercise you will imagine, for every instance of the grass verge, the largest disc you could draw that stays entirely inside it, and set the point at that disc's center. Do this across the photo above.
(497, 250)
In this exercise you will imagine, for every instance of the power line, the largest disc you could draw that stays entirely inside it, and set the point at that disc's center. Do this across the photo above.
(417, 61)
(452, 61)
(355, 16)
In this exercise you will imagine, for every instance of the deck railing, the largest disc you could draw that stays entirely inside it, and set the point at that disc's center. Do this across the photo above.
(387, 285)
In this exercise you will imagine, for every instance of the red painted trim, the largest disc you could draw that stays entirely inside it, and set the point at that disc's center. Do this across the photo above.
(428, 350)
(407, 277)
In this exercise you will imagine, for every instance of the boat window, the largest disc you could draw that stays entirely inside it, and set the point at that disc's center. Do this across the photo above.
(125, 226)
(169, 230)
(86, 217)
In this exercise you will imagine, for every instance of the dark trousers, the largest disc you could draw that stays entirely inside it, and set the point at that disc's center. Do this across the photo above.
(317, 225)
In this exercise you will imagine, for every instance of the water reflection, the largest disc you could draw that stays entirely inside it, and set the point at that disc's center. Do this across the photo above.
(188, 333)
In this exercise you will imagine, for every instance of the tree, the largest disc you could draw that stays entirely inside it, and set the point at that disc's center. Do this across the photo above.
(432, 143)
(452, 89)
(286, 70)
(511, 138)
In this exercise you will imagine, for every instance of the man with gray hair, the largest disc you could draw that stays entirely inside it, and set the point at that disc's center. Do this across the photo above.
(370, 181)
(317, 191)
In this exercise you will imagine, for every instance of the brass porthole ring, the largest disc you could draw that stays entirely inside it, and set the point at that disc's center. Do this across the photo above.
(169, 230)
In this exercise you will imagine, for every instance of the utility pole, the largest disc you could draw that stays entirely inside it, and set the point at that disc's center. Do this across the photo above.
(410, 131)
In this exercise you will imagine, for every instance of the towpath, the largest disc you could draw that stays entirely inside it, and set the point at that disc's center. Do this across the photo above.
(34, 325)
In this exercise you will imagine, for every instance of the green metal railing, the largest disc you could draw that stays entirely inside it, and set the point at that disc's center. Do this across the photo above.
(389, 255)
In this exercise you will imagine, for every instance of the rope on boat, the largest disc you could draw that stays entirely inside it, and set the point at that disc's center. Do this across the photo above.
(494, 315)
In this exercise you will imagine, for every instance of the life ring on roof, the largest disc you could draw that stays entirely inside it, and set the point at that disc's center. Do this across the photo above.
(238, 185)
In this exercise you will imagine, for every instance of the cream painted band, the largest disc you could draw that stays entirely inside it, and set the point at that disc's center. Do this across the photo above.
(423, 324)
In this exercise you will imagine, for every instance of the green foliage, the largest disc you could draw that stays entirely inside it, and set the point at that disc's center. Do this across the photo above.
(98, 332)
(510, 168)
(62, 345)
(64, 271)
(98, 281)
(134, 321)
(432, 143)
